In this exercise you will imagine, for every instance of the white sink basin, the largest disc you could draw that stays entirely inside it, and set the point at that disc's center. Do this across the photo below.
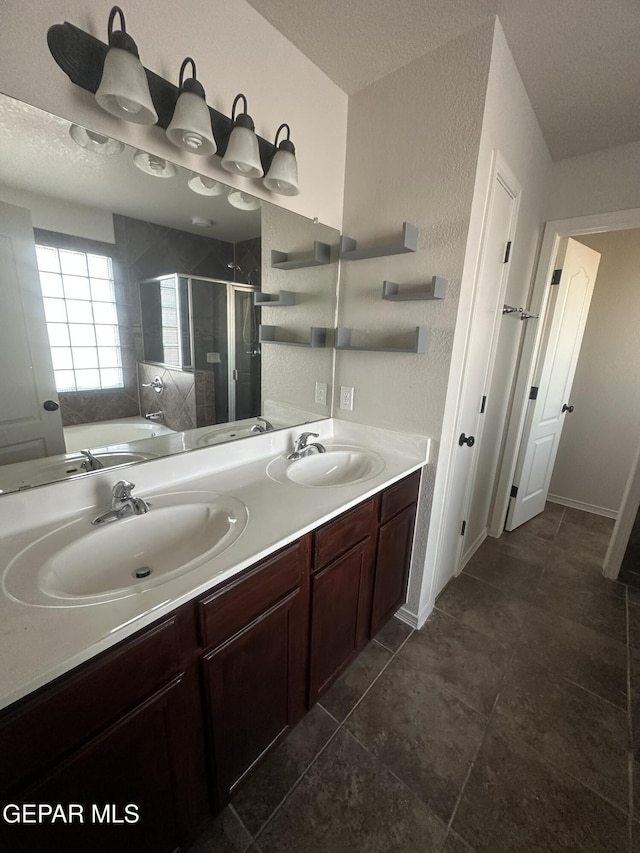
(338, 466)
(79, 564)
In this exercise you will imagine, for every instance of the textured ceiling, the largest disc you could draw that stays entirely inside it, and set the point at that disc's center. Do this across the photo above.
(579, 59)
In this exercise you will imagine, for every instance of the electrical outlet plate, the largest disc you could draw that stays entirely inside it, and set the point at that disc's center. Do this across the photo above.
(321, 393)
(346, 397)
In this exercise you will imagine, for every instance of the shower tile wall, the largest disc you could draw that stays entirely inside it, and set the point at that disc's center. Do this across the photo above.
(187, 398)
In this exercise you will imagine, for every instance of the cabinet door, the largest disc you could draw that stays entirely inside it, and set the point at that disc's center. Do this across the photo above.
(123, 783)
(340, 608)
(392, 567)
(254, 686)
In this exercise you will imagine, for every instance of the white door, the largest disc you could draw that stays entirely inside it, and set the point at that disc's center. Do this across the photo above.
(28, 430)
(564, 328)
(500, 222)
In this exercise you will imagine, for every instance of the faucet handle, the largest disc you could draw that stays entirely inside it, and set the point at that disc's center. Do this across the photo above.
(303, 438)
(122, 490)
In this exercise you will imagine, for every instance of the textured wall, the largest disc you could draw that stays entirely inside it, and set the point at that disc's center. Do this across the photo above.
(599, 441)
(413, 140)
(235, 50)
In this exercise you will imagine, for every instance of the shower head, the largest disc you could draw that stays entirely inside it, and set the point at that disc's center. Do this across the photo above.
(233, 266)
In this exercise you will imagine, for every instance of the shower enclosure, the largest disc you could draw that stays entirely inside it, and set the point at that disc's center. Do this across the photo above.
(209, 327)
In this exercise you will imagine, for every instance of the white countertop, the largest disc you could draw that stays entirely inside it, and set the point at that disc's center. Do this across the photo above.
(38, 644)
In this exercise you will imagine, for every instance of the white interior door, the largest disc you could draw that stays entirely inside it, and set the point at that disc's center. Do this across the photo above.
(500, 222)
(564, 328)
(27, 429)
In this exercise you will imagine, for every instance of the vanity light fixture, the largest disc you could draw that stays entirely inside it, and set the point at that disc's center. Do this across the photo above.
(243, 201)
(190, 126)
(124, 89)
(242, 156)
(153, 165)
(282, 177)
(205, 186)
(96, 142)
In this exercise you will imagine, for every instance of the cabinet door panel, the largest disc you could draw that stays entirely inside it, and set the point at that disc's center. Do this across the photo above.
(254, 685)
(340, 607)
(395, 539)
(135, 762)
(399, 496)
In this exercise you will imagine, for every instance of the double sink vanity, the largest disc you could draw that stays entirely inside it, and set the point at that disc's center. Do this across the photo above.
(155, 660)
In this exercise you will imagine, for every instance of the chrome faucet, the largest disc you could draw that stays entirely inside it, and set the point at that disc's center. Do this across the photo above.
(155, 416)
(262, 427)
(123, 504)
(302, 447)
(90, 463)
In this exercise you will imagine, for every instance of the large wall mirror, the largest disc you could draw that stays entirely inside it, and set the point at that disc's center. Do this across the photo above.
(146, 310)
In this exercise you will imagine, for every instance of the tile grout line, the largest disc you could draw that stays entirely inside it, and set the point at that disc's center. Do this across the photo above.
(330, 740)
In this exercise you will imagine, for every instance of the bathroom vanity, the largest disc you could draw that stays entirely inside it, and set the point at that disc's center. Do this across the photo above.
(175, 705)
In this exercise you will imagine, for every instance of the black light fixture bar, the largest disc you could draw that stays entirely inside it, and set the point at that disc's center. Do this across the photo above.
(81, 56)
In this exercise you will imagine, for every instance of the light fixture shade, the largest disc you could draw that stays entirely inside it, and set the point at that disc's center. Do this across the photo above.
(242, 156)
(205, 186)
(190, 127)
(124, 90)
(92, 141)
(282, 177)
(150, 164)
(243, 201)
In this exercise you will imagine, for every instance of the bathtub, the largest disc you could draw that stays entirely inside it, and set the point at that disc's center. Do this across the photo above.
(104, 433)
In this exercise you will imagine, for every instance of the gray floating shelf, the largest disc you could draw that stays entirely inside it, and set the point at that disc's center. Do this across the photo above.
(320, 256)
(317, 337)
(409, 243)
(274, 300)
(420, 345)
(436, 290)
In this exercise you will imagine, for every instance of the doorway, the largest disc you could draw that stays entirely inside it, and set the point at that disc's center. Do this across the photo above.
(610, 432)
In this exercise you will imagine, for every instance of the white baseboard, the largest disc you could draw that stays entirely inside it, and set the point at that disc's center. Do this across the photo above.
(596, 510)
(415, 620)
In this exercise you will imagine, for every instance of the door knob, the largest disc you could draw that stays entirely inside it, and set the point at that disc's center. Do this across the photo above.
(469, 440)
(566, 408)
(50, 406)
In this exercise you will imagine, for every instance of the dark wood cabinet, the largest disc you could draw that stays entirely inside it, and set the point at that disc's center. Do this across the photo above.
(255, 674)
(121, 740)
(148, 737)
(393, 555)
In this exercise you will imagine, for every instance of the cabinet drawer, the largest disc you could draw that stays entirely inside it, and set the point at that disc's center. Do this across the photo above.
(400, 495)
(338, 536)
(40, 729)
(226, 610)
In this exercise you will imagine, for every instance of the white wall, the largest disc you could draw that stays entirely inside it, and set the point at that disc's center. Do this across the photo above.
(412, 149)
(235, 49)
(599, 441)
(601, 182)
(52, 214)
(510, 127)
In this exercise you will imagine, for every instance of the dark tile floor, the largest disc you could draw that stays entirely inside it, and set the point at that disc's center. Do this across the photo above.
(506, 724)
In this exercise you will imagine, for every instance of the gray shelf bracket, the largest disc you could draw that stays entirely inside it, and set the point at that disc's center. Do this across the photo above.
(420, 343)
(320, 256)
(274, 300)
(408, 243)
(317, 337)
(436, 290)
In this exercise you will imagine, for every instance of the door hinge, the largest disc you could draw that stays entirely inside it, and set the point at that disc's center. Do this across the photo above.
(507, 252)
(463, 528)
(514, 492)
(555, 278)
(533, 394)
(483, 404)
